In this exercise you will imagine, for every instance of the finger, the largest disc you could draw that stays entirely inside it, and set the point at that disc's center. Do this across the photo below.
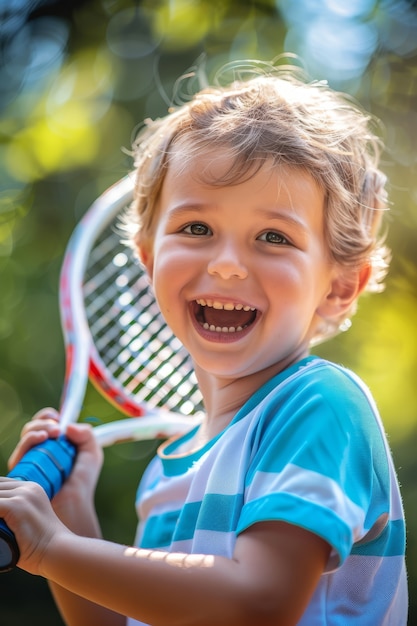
(82, 436)
(43, 426)
(47, 414)
(47, 418)
(8, 483)
(25, 444)
(79, 433)
(51, 427)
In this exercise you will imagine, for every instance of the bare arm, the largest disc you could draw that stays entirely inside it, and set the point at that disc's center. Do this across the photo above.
(270, 579)
(273, 573)
(74, 505)
(75, 609)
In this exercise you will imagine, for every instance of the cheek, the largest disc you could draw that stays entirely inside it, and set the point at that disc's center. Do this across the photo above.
(294, 287)
(168, 278)
(172, 263)
(284, 277)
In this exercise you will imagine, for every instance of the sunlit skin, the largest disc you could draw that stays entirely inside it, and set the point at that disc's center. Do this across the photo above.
(259, 243)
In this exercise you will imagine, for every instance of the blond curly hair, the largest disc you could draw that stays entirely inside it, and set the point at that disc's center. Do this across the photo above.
(275, 113)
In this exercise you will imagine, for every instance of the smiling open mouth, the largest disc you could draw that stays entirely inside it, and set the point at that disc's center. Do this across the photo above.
(223, 317)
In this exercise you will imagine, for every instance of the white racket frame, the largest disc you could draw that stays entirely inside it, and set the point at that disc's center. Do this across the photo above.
(78, 341)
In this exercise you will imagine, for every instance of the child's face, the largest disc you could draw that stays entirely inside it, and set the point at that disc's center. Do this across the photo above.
(241, 272)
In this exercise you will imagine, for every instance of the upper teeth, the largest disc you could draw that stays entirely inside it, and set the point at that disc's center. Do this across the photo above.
(228, 306)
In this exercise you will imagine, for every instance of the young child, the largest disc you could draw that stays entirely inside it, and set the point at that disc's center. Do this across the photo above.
(257, 216)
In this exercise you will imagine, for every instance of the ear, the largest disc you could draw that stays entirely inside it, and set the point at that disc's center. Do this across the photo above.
(345, 289)
(145, 251)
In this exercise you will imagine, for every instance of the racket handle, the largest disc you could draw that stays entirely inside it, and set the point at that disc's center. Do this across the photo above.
(48, 464)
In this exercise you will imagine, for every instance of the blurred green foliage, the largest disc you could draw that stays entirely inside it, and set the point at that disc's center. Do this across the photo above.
(76, 79)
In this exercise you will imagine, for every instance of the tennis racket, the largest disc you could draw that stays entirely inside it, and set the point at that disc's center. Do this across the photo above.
(115, 337)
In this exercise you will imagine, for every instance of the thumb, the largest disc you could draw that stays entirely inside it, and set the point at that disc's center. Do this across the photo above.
(80, 434)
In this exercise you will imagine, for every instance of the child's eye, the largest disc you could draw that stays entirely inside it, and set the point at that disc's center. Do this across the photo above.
(196, 229)
(272, 236)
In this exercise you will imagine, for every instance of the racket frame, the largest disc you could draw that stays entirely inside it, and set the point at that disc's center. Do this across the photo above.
(83, 363)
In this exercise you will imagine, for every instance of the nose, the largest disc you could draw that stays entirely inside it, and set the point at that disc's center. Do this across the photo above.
(227, 262)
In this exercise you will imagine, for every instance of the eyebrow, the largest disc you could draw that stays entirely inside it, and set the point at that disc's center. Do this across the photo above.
(270, 214)
(178, 209)
(275, 214)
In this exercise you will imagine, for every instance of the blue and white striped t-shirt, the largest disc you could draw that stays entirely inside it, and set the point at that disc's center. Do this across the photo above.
(308, 448)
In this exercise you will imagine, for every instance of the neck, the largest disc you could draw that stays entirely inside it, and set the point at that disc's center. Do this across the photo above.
(224, 397)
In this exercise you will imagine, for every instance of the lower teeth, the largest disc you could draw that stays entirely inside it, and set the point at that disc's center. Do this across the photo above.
(219, 329)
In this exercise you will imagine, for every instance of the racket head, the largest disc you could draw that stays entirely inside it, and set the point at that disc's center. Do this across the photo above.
(114, 330)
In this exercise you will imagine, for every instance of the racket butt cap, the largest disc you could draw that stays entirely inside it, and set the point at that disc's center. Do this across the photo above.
(9, 551)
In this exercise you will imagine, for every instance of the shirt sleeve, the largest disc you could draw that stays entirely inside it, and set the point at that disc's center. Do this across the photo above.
(320, 461)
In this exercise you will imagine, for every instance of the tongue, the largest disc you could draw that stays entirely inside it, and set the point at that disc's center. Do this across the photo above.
(228, 319)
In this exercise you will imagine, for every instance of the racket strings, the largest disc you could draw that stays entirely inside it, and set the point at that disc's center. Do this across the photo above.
(136, 349)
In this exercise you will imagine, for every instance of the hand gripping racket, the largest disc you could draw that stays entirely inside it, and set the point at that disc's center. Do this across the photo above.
(115, 336)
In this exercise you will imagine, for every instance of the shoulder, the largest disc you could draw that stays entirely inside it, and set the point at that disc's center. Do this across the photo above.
(322, 386)
(329, 380)
(323, 410)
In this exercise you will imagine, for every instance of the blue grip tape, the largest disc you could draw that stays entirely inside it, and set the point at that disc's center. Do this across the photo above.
(48, 464)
